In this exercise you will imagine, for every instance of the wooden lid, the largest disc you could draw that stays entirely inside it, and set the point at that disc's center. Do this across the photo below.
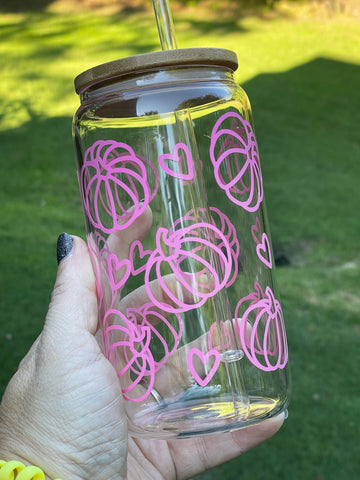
(156, 60)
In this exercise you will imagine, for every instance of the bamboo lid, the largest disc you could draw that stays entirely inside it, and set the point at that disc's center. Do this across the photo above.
(156, 61)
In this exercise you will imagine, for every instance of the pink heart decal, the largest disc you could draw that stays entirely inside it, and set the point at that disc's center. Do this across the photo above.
(263, 251)
(137, 248)
(256, 231)
(114, 267)
(204, 358)
(182, 157)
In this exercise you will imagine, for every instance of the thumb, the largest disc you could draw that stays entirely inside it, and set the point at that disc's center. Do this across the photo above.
(73, 303)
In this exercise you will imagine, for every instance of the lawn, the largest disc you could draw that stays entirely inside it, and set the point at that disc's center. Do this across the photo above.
(301, 69)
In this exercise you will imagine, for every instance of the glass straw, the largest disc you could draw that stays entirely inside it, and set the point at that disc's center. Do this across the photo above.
(165, 24)
(184, 125)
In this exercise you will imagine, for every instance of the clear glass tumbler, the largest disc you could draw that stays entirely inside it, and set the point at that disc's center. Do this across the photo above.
(172, 191)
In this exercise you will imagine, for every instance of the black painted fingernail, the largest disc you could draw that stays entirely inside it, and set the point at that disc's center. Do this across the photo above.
(64, 246)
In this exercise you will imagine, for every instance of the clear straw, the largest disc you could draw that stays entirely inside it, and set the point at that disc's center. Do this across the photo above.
(165, 24)
(185, 131)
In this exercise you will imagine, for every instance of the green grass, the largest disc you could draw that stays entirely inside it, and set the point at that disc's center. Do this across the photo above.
(302, 75)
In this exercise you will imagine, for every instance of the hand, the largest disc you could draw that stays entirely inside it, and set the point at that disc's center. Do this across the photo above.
(63, 410)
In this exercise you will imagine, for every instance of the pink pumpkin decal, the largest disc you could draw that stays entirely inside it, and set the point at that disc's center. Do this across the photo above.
(264, 343)
(222, 222)
(226, 239)
(128, 345)
(114, 185)
(174, 248)
(150, 317)
(235, 157)
(128, 340)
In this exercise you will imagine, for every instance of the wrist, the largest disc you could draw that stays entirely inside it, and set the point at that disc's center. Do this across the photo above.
(58, 461)
(16, 469)
(30, 452)
(49, 470)
(26, 441)
(14, 463)
(59, 457)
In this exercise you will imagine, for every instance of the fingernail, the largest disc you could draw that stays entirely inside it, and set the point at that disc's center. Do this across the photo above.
(64, 246)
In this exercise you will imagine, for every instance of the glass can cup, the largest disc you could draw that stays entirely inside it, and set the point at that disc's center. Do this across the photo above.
(172, 191)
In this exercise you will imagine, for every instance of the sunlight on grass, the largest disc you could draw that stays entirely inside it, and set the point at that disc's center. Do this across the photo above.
(44, 51)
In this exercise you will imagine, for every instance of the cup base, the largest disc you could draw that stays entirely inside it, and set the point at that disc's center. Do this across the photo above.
(185, 419)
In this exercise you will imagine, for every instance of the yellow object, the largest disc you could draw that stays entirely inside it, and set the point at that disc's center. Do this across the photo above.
(15, 470)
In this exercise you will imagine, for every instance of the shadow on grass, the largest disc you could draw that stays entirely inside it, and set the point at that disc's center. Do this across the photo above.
(48, 36)
(23, 6)
(17, 6)
(306, 121)
(39, 199)
(265, 9)
(306, 124)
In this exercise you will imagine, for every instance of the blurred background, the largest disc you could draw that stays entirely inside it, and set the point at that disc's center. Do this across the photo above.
(299, 62)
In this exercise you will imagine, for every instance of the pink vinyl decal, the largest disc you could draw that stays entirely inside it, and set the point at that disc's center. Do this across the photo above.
(222, 224)
(263, 249)
(235, 157)
(178, 164)
(256, 231)
(114, 185)
(149, 316)
(264, 252)
(130, 345)
(261, 328)
(119, 271)
(173, 249)
(197, 360)
(137, 252)
(225, 336)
